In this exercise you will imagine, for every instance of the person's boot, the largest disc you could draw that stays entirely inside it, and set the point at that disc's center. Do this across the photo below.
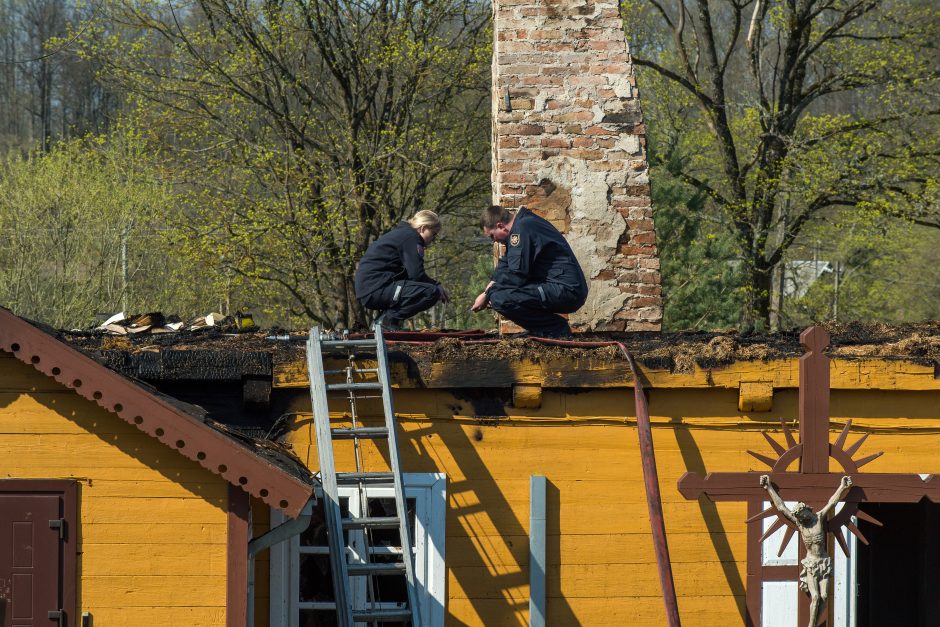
(388, 323)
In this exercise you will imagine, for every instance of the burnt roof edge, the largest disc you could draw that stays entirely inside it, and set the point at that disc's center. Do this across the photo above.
(195, 440)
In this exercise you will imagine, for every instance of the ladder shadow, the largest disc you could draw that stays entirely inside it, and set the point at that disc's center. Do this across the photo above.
(694, 462)
(488, 552)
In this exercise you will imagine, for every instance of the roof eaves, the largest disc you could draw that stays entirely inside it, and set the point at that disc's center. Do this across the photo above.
(191, 438)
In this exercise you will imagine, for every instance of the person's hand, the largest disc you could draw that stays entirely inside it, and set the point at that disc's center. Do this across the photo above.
(480, 303)
(764, 481)
(442, 293)
(846, 482)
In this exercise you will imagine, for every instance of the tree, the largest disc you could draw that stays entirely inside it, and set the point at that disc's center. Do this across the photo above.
(82, 232)
(46, 91)
(301, 131)
(700, 271)
(793, 110)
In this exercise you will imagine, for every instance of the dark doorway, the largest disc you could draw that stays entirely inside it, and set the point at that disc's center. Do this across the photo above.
(37, 563)
(899, 571)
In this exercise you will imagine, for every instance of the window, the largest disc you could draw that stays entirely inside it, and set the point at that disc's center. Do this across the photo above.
(301, 581)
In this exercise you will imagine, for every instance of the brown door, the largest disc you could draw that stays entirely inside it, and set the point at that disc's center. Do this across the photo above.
(30, 559)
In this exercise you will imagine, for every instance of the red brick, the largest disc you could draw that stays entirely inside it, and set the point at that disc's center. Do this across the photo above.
(556, 142)
(509, 178)
(523, 129)
(646, 301)
(588, 155)
(650, 290)
(633, 249)
(599, 130)
(640, 225)
(574, 116)
(648, 237)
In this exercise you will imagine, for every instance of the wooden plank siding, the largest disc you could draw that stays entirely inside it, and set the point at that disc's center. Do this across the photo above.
(847, 373)
(152, 533)
(601, 565)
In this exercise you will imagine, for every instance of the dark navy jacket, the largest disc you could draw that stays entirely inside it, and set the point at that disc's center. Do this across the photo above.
(397, 255)
(537, 253)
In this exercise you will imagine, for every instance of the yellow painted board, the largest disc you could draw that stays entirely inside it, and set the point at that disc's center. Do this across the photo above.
(213, 487)
(91, 451)
(146, 558)
(15, 375)
(868, 373)
(145, 510)
(22, 414)
(145, 591)
(589, 580)
(155, 532)
(615, 548)
(472, 518)
(157, 615)
(707, 611)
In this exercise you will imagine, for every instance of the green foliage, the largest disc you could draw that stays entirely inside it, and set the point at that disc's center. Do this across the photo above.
(297, 133)
(888, 271)
(790, 113)
(82, 231)
(700, 268)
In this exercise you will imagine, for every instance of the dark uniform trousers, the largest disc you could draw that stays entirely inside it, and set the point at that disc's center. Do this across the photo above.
(535, 306)
(402, 300)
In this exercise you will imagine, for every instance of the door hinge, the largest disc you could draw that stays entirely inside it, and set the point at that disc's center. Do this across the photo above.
(58, 523)
(57, 615)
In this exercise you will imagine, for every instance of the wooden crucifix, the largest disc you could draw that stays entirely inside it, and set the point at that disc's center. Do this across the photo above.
(812, 482)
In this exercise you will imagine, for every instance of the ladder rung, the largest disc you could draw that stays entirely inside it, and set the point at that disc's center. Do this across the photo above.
(342, 387)
(360, 432)
(383, 522)
(356, 370)
(383, 568)
(372, 616)
(352, 478)
(347, 343)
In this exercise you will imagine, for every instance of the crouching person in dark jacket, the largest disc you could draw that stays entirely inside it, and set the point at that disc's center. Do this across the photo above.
(391, 277)
(537, 279)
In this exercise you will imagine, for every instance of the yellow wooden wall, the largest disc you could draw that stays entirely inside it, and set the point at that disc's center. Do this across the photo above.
(601, 566)
(153, 524)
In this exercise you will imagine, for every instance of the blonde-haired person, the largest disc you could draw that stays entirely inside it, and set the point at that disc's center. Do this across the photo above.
(391, 279)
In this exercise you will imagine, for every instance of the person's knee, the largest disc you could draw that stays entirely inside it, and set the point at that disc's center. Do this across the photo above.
(498, 300)
(430, 297)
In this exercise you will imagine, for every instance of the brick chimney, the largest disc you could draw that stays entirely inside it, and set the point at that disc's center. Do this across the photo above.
(569, 143)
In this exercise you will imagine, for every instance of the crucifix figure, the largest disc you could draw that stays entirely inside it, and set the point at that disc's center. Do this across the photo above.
(817, 565)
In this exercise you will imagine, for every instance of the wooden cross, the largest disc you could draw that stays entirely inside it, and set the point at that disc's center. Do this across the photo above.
(811, 482)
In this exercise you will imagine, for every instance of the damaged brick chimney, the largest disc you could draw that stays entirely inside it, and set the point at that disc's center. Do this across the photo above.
(569, 143)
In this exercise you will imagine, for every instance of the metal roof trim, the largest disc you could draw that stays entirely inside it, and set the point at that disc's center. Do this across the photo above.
(189, 437)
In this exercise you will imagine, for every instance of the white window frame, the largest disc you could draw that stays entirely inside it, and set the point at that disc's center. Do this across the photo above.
(429, 490)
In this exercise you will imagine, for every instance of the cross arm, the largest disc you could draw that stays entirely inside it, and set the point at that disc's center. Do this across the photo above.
(810, 488)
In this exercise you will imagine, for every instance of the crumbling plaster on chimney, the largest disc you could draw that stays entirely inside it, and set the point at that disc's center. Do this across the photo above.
(593, 232)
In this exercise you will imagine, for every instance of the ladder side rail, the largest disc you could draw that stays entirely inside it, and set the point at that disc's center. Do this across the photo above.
(331, 504)
(400, 503)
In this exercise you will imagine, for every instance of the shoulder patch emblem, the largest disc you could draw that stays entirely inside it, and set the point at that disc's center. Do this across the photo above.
(514, 239)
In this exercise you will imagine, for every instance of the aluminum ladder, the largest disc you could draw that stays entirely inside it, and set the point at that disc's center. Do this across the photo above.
(359, 384)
